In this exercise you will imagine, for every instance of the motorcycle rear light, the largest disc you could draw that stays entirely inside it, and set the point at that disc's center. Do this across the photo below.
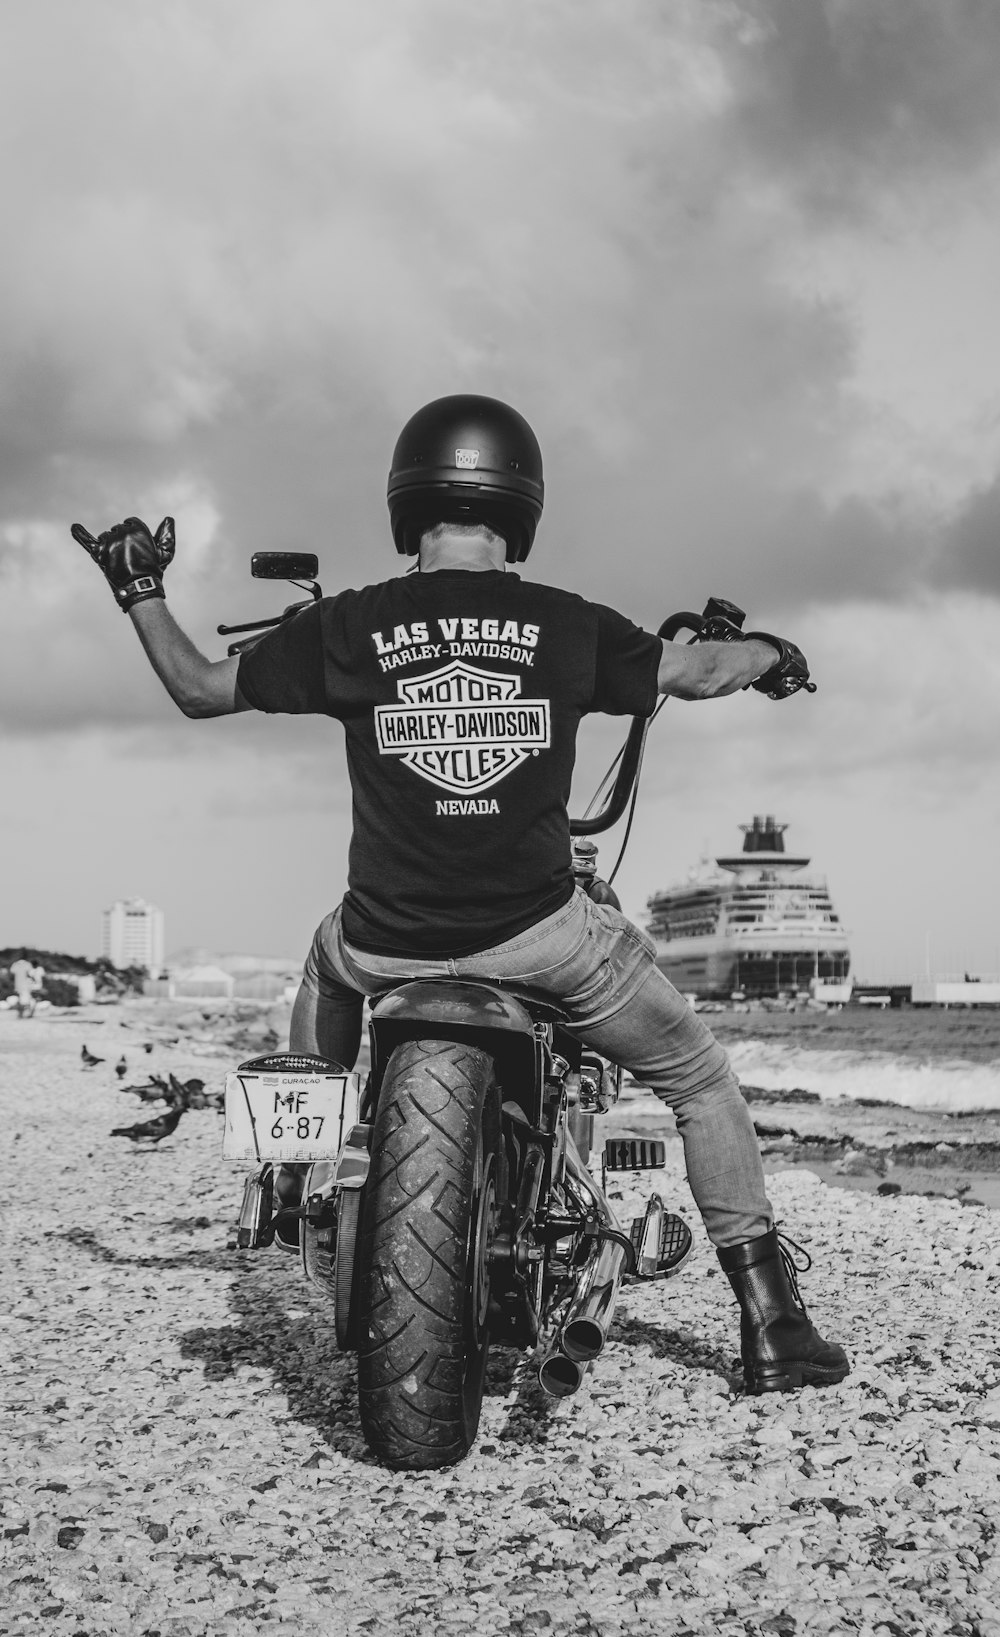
(291, 1063)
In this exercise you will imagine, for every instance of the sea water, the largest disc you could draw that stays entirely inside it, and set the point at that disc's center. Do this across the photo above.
(952, 1087)
(925, 1058)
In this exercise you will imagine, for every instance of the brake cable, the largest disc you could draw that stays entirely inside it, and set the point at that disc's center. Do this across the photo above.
(635, 792)
(605, 782)
(669, 629)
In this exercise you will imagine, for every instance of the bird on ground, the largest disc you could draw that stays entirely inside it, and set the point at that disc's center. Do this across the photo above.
(146, 1092)
(121, 1067)
(183, 1093)
(89, 1060)
(152, 1131)
(186, 1092)
(147, 1045)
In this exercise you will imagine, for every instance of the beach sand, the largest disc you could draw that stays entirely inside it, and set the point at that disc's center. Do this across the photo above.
(183, 1454)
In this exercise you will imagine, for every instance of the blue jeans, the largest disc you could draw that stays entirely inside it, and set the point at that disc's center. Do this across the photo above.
(602, 969)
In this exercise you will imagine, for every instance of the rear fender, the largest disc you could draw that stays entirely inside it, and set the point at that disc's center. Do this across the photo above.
(481, 1014)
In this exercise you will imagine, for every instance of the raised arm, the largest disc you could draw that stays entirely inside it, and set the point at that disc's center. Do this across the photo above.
(199, 686)
(708, 670)
(133, 561)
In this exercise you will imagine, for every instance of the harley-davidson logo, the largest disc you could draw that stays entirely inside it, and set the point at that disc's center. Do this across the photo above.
(461, 728)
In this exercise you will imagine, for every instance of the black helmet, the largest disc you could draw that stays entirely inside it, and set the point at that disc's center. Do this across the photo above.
(466, 459)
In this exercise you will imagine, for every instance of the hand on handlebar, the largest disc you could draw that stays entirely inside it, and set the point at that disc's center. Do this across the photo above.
(789, 674)
(722, 622)
(131, 559)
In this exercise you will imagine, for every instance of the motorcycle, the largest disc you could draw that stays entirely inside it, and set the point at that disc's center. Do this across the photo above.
(450, 1202)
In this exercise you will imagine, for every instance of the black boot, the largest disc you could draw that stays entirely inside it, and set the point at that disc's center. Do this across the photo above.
(781, 1349)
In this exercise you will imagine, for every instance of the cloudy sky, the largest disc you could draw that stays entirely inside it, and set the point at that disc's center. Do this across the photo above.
(737, 263)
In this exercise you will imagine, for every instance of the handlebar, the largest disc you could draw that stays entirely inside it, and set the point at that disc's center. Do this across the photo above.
(258, 627)
(631, 752)
(618, 800)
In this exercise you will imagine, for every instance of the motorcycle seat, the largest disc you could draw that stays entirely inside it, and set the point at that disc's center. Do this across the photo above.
(543, 1008)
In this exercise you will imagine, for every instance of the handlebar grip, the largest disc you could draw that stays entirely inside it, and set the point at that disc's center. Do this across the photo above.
(248, 625)
(716, 608)
(243, 644)
(679, 622)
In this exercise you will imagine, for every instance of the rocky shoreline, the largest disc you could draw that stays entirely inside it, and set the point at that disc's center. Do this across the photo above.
(184, 1456)
(882, 1147)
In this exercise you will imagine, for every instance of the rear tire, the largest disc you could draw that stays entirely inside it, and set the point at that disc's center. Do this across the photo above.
(428, 1217)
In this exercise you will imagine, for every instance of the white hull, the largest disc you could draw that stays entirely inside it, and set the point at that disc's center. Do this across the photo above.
(756, 924)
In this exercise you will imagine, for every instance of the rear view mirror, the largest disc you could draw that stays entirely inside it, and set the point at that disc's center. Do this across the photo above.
(284, 565)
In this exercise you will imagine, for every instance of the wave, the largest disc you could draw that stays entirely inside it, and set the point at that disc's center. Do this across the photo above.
(953, 1086)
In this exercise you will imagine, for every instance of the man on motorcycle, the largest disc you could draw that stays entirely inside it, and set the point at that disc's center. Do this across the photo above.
(461, 689)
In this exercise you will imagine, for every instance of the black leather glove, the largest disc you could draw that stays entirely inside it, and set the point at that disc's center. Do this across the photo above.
(789, 674)
(131, 559)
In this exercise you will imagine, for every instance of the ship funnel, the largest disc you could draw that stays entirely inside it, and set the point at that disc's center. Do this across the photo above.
(763, 835)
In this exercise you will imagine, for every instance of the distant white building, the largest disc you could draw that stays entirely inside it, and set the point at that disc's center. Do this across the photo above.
(955, 992)
(255, 977)
(201, 983)
(132, 935)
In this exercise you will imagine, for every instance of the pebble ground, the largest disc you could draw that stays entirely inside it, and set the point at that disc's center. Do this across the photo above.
(182, 1454)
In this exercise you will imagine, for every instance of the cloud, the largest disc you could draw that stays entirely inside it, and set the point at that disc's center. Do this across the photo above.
(854, 104)
(245, 241)
(909, 689)
(854, 549)
(316, 200)
(70, 657)
(232, 278)
(240, 840)
(970, 551)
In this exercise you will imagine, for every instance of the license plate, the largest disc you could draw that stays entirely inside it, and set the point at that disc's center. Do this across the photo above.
(288, 1117)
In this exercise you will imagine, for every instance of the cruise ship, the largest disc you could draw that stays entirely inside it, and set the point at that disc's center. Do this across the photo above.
(752, 925)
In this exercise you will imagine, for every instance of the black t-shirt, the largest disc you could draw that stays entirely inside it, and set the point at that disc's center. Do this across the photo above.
(461, 693)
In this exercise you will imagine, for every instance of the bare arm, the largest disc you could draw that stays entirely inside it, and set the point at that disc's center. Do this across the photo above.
(199, 686)
(133, 561)
(708, 670)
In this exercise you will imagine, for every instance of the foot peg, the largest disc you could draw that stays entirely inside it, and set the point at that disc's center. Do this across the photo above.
(661, 1240)
(635, 1154)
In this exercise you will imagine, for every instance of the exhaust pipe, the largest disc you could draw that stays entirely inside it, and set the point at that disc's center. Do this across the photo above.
(560, 1376)
(585, 1328)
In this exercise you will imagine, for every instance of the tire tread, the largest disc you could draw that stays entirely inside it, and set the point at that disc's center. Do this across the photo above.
(413, 1273)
